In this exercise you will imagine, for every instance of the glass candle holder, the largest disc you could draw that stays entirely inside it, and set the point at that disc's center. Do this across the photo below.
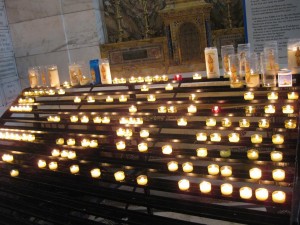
(278, 174)
(142, 180)
(215, 137)
(213, 169)
(42, 163)
(205, 187)
(278, 197)
(173, 166)
(192, 109)
(244, 123)
(277, 139)
(143, 147)
(33, 76)
(97, 119)
(211, 122)
(120, 145)
(287, 109)
(119, 175)
(74, 169)
(245, 192)
(263, 123)
(144, 133)
(182, 122)
(285, 78)
(167, 149)
(226, 189)
(252, 154)
(226, 122)
(290, 124)
(293, 95)
(270, 109)
(201, 136)
(226, 50)
(261, 194)
(212, 62)
(75, 72)
(234, 137)
(256, 138)
(249, 95)
(201, 152)
(95, 173)
(255, 173)
(243, 52)
(226, 171)
(53, 165)
(105, 71)
(187, 167)
(268, 75)
(252, 70)
(53, 76)
(294, 55)
(236, 79)
(184, 184)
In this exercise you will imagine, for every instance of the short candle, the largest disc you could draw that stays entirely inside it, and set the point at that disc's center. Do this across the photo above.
(270, 109)
(77, 99)
(109, 99)
(64, 153)
(85, 142)
(60, 141)
(172, 109)
(121, 145)
(211, 122)
(132, 80)
(120, 132)
(249, 96)
(293, 95)
(287, 109)
(215, 137)
(244, 123)
(95, 173)
(122, 98)
(173, 166)
(261, 194)
(193, 97)
(97, 119)
(184, 184)
(272, 95)
(290, 124)
(90, 99)
(277, 139)
(74, 169)
(213, 169)
(205, 187)
(252, 154)
(148, 79)
(42, 163)
(225, 153)
(182, 122)
(140, 79)
(143, 147)
(55, 153)
(263, 123)
(167, 149)
(84, 119)
(71, 141)
(202, 152)
(53, 165)
(226, 171)
(165, 77)
(71, 155)
(169, 87)
(94, 143)
(278, 174)
(276, 156)
(119, 176)
(144, 88)
(245, 192)
(144, 133)
(14, 173)
(151, 98)
(74, 119)
(187, 167)
(105, 120)
(7, 158)
(197, 76)
(61, 92)
(256, 138)
(250, 109)
(226, 189)
(142, 180)
(226, 122)
(234, 137)
(133, 109)
(192, 109)
(278, 197)
(255, 173)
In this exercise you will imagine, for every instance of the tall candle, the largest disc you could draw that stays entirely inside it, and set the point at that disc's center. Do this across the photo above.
(53, 76)
(212, 62)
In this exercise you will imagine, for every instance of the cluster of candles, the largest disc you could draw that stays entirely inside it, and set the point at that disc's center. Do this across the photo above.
(21, 108)
(25, 100)
(261, 194)
(17, 136)
(53, 119)
(141, 179)
(64, 153)
(122, 132)
(131, 121)
(272, 95)
(148, 79)
(86, 119)
(40, 92)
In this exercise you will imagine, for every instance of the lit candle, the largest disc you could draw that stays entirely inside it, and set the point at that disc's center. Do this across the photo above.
(94, 143)
(97, 119)
(133, 109)
(74, 169)
(7, 158)
(226, 189)
(184, 184)
(142, 180)
(66, 84)
(182, 122)
(201, 136)
(128, 133)
(156, 78)
(205, 187)
(169, 87)
(120, 132)
(261, 194)
(85, 142)
(226, 171)
(192, 109)
(14, 173)
(60, 141)
(77, 99)
(119, 176)
(56, 119)
(143, 147)
(293, 95)
(172, 166)
(216, 109)
(55, 153)
(263, 123)
(278, 197)
(277, 139)
(172, 109)
(144, 88)
(234, 137)
(255, 173)
(90, 99)
(123, 120)
(84, 119)
(193, 97)
(122, 98)
(162, 109)
(215, 137)
(249, 96)
(122, 80)
(256, 138)
(244, 123)
(164, 78)
(178, 77)
(51, 92)
(148, 79)
(95, 173)
(225, 153)
(245, 192)
(226, 122)
(53, 165)
(250, 109)
(270, 109)
(197, 76)
(64, 153)
(115, 80)
(276, 156)
(202, 152)
(109, 99)
(71, 155)
(287, 109)
(278, 175)
(290, 124)
(132, 80)
(61, 92)
(211, 122)
(213, 169)
(187, 167)
(144, 133)
(71, 141)
(151, 98)
(120, 145)
(140, 79)
(272, 95)
(252, 154)
(139, 121)
(167, 149)
(105, 120)
(74, 119)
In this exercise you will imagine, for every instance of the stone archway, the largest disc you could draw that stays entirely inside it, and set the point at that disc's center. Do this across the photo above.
(189, 42)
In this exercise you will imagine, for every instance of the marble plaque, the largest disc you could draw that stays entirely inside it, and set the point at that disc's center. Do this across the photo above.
(5, 42)
(7, 67)
(11, 90)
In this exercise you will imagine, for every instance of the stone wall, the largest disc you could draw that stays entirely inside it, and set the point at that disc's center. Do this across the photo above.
(54, 32)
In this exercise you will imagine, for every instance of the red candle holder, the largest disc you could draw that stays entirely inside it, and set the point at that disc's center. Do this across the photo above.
(178, 77)
(216, 109)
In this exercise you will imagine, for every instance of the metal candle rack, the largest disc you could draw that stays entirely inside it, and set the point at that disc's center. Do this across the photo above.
(59, 196)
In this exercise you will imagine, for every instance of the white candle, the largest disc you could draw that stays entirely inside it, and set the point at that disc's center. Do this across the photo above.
(226, 122)
(119, 176)
(211, 122)
(226, 171)
(270, 109)
(151, 98)
(120, 145)
(53, 165)
(85, 142)
(212, 62)
(94, 143)
(272, 95)
(192, 109)
(143, 147)
(144, 133)
(97, 119)
(213, 169)
(142, 180)
(109, 99)
(277, 139)
(172, 166)
(84, 119)
(71, 141)
(169, 87)
(249, 96)
(77, 99)
(53, 76)
(263, 123)
(187, 167)
(120, 132)
(226, 189)
(261, 194)
(133, 109)
(14, 173)
(7, 158)
(167, 149)
(140, 79)
(202, 152)
(234, 137)
(278, 175)
(293, 95)
(245, 192)
(71, 155)
(74, 169)
(105, 120)
(215, 137)
(55, 153)
(184, 184)
(244, 123)
(255, 173)
(51, 92)
(276, 156)
(252, 154)
(287, 109)
(95, 173)
(182, 122)
(205, 187)
(64, 153)
(74, 119)
(256, 138)
(278, 196)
